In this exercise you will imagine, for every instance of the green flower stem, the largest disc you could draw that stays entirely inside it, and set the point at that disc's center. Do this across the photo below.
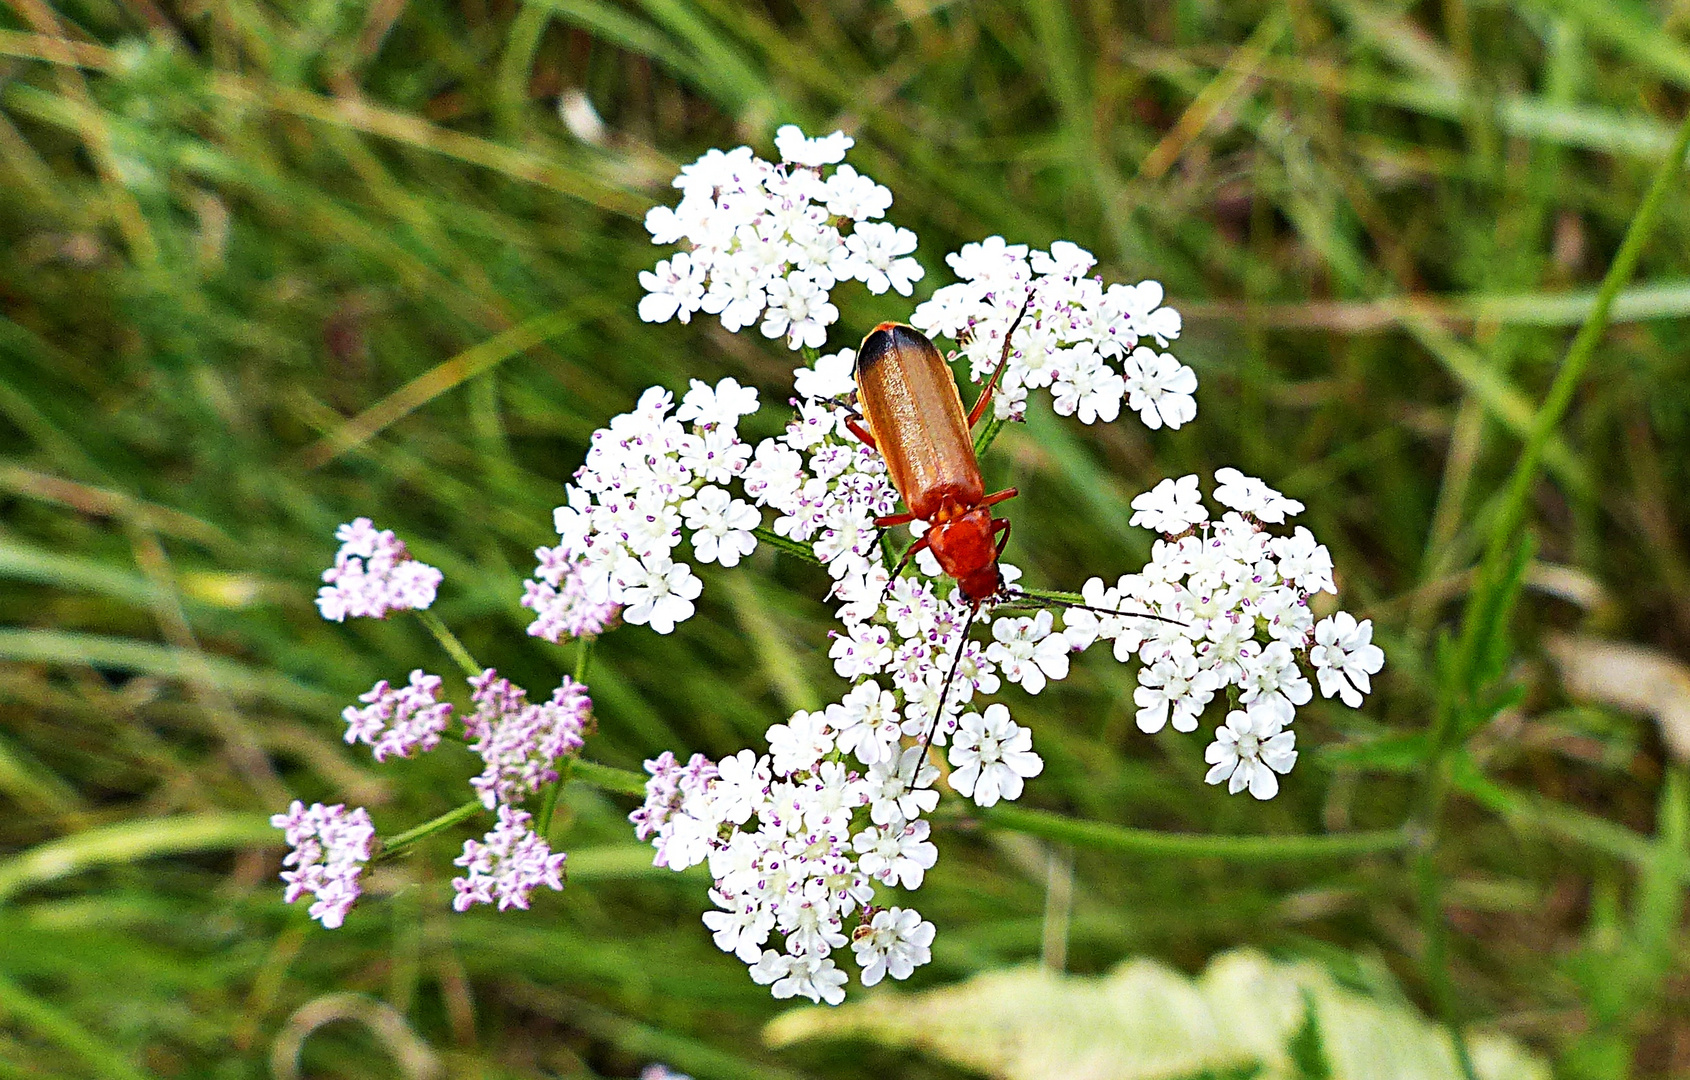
(791, 547)
(1150, 842)
(548, 805)
(449, 641)
(608, 778)
(1053, 594)
(1512, 514)
(583, 653)
(988, 435)
(392, 845)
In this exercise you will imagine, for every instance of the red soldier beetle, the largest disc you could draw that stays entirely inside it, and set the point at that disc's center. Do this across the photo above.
(909, 401)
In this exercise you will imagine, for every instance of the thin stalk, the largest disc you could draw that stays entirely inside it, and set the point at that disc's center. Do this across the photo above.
(392, 845)
(1150, 842)
(583, 654)
(988, 435)
(449, 641)
(608, 778)
(791, 547)
(1554, 406)
(548, 805)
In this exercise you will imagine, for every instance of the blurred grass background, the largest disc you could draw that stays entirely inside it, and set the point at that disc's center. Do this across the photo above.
(266, 267)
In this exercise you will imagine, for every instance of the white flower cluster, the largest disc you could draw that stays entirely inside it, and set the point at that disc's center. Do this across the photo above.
(373, 574)
(519, 741)
(646, 476)
(799, 838)
(1228, 606)
(769, 242)
(1072, 329)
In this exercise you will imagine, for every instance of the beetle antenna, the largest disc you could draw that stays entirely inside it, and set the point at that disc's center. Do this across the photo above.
(1003, 361)
(1021, 596)
(944, 694)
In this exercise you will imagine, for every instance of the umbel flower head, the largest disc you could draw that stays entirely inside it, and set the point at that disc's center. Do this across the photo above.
(801, 839)
(330, 845)
(521, 744)
(766, 243)
(373, 574)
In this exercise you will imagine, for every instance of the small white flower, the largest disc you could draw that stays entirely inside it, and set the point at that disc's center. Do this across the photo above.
(1140, 304)
(800, 743)
(813, 977)
(674, 288)
(1171, 507)
(882, 251)
(663, 595)
(798, 310)
(1248, 495)
(897, 854)
(796, 149)
(902, 788)
(1344, 657)
(1303, 562)
(834, 375)
(853, 195)
(1248, 750)
(721, 527)
(741, 929)
(992, 755)
(1273, 685)
(866, 651)
(723, 404)
(1173, 686)
(1089, 388)
(894, 942)
(1027, 652)
(867, 722)
(1159, 388)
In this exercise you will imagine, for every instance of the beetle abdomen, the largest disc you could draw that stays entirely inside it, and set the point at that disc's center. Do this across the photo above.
(910, 400)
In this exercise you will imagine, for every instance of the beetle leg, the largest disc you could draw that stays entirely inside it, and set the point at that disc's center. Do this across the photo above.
(999, 496)
(843, 403)
(856, 428)
(1003, 361)
(894, 519)
(909, 553)
(1001, 525)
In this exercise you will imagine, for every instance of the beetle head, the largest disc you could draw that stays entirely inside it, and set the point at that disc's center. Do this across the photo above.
(967, 551)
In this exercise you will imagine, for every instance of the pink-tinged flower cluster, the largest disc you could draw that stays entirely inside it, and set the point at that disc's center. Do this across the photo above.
(521, 741)
(825, 484)
(398, 721)
(506, 865)
(768, 242)
(373, 574)
(651, 473)
(330, 845)
(562, 603)
(797, 841)
(1078, 338)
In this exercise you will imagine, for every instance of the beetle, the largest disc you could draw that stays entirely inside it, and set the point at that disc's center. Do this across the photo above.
(913, 412)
